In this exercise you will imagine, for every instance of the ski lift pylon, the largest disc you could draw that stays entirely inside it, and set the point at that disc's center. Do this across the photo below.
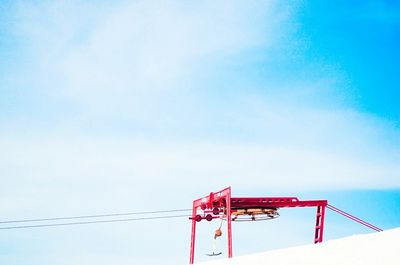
(220, 203)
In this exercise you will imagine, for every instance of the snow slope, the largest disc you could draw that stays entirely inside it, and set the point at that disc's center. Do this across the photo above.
(370, 249)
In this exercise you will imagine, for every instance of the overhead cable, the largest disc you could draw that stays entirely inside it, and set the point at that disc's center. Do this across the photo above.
(354, 218)
(91, 216)
(92, 222)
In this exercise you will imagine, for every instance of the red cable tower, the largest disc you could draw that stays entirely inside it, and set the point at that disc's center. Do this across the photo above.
(221, 205)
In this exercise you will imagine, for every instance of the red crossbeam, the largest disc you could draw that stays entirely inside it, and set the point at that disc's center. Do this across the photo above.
(274, 202)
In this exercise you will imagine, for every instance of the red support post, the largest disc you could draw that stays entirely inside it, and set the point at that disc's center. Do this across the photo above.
(319, 224)
(193, 236)
(229, 219)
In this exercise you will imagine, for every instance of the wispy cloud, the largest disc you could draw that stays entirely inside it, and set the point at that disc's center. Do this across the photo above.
(132, 73)
(134, 49)
(142, 98)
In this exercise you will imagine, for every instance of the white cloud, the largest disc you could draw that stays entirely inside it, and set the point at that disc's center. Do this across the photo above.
(118, 57)
(127, 68)
(148, 126)
(127, 169)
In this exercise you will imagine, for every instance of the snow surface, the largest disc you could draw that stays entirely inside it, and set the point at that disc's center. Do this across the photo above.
(369, 249)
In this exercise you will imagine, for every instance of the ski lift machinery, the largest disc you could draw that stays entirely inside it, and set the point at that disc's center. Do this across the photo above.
(220, 205)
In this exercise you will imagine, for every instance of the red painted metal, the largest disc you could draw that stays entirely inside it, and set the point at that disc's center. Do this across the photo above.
(319, 225)
(220, 199)
(229, 221)
(223, 200)
(193, 235)
(352, 217)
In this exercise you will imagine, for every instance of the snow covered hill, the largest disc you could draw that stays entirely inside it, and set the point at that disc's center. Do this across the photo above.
(370, 249)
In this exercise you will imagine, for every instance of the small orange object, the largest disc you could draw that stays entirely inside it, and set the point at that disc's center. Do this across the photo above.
(218, 233)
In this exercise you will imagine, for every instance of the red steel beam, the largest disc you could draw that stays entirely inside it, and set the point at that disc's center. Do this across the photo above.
(275, 202)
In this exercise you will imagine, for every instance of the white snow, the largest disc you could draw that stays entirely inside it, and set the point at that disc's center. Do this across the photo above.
(369, 249)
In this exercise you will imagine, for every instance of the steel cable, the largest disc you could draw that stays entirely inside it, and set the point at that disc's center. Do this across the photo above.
(93, 222)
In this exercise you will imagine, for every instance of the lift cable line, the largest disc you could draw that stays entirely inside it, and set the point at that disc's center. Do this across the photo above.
(354, 218)
(94, 222)
(91, 216)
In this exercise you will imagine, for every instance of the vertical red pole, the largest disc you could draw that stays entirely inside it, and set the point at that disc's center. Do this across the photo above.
(322, 223)
(193, 237)
(319, 224)
(229, 218)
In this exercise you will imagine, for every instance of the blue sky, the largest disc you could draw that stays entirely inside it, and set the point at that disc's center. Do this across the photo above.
(136, 105)
(362, 40)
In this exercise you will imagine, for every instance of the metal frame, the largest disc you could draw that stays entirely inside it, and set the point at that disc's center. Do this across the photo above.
(221, 201)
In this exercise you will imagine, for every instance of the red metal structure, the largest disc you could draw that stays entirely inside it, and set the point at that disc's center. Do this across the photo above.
(221, 205)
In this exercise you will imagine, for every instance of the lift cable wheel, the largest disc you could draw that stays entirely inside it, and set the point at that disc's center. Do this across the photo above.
(254, 214)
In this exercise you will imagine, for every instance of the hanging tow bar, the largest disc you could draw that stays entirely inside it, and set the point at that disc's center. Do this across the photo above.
(217, 234)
